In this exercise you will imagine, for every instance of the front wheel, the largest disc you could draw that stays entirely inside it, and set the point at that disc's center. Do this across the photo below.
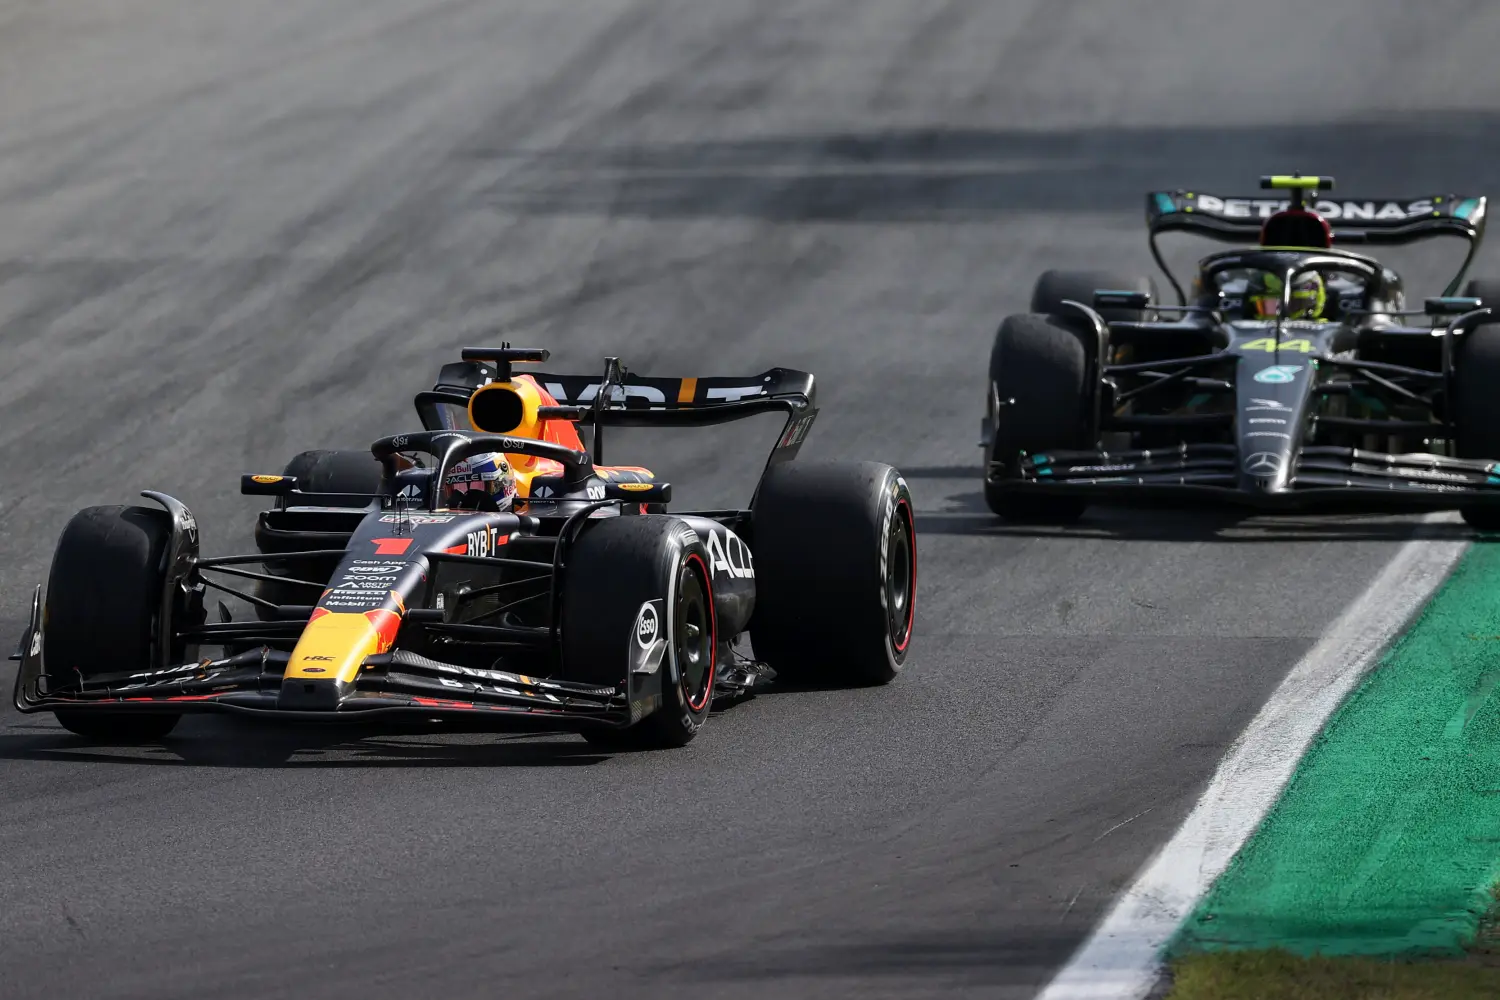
(1476, 407)
(618, 568)
(104, 599)
(835, 572)
(118, 727)
(1040, 401)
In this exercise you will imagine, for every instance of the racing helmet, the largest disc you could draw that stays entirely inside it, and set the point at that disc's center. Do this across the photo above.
(482, 482)
(1309, 296)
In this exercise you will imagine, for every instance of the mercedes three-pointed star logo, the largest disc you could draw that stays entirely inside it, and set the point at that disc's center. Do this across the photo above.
(1264, 463)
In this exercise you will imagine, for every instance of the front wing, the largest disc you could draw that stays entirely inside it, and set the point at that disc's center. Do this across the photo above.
(250, 684)
(395, 684)
(1323, 478)
(399, 683)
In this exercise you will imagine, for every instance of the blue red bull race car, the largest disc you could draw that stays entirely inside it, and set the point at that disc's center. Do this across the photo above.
(489, 572)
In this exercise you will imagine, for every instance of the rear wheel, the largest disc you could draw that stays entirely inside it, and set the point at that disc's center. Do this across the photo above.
(1487, 291)
(835, 572)
(336, 472)
(1039, 402)
(104, 595)
(617, 567)
(1476, 406)
(1053, 287)
(319, 472)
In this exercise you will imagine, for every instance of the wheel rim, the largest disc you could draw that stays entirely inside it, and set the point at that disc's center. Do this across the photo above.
(693, 633)
(900, 577)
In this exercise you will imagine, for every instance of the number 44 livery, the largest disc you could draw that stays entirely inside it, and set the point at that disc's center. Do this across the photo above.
(1290, 376)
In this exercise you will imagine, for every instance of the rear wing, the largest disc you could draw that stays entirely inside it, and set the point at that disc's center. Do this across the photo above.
(1375, 222)
(656, 401)
(1388, 221)
(648, 400)
(620, 398)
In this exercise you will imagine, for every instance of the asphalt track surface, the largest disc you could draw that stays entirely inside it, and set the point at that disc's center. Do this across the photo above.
(230, 231)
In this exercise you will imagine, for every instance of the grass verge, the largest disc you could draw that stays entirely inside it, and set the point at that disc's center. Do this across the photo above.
(1368, 880)
(1281, 975)
(1384, 844)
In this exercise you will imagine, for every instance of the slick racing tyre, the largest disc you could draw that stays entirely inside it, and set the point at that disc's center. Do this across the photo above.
(1487, 291)
(103, 602)
(1476, 406)
(318, 472)
(335, 472)
(835, 573)
(1055, 287)
(615, 568)
(1039, 379)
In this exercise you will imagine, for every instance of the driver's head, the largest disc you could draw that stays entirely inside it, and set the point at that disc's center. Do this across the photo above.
(1308, 295)
(483, 482)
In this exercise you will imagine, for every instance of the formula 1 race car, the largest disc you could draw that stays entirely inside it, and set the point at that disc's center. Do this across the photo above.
(489, 571)
(1290, 378)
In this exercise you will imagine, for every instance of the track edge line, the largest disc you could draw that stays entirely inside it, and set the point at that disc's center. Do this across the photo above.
(1121, 958)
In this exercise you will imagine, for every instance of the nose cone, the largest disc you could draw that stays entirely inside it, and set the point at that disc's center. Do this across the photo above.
(1265, 471)
(326, 660)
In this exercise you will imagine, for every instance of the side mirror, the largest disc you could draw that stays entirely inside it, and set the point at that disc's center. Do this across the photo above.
(642, 492)
(267, 486)
(1117, 299)
(1450, 306)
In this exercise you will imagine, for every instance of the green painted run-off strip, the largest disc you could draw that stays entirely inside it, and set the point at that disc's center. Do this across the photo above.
(1387, 839)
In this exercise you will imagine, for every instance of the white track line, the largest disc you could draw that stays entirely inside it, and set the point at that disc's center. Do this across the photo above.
(1120, 960)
